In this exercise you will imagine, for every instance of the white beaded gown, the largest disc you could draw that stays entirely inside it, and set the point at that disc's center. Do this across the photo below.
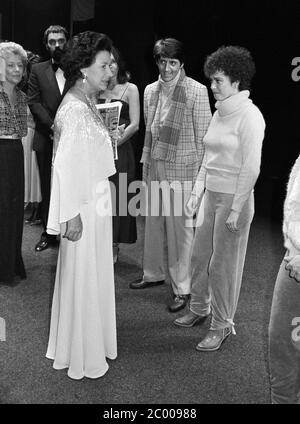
(83, 322)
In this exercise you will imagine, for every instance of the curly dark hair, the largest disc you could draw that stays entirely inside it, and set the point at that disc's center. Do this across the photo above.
(236, 62)
(81, 52)
(123, 75)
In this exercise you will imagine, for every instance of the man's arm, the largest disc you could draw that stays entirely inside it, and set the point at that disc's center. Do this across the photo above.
(201, 119)
(145, 103)
(39, 112)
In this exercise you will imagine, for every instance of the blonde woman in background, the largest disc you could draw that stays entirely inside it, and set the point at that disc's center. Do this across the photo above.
(13, 126)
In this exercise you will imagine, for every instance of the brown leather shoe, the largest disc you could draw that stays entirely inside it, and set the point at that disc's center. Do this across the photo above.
(213, 340)
(141, 284)
(180, 301)
(190, 319)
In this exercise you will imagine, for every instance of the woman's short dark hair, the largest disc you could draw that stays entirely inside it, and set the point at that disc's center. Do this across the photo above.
(123, 75)
(236, 62)
(169, 47)
(81, 52)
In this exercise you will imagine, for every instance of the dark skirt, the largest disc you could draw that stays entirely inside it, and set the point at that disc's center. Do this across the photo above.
(11, 209)
(124, 225)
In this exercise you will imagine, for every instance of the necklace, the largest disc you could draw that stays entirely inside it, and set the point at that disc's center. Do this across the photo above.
(92, 107)
(82, 96)
(97, 115)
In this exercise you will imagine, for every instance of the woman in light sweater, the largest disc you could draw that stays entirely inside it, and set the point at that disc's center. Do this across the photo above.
(284, 327)
(224, 190)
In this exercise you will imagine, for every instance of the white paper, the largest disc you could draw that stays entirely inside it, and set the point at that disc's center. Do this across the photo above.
(110, 113)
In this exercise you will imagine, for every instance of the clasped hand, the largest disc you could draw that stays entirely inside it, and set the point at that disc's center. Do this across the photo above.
(232, 220)
(293, 265)
(117, 134)
(74, 229)
(192, 204)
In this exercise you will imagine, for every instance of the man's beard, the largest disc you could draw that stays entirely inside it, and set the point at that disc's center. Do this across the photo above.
(57, 54)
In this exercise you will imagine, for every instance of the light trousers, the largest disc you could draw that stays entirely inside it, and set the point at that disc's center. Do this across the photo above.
(284, 339)
(166, 221)
(218, 258)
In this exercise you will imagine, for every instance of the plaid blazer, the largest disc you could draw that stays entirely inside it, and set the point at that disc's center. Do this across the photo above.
(190, 148)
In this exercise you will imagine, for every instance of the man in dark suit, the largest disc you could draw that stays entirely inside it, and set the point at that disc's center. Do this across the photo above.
(46, 88)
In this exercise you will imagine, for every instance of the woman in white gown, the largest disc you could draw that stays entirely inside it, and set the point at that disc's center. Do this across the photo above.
(83, 323)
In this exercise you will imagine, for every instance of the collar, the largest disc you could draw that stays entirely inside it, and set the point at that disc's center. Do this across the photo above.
(3, 91)
(233, 103)
(168, 85)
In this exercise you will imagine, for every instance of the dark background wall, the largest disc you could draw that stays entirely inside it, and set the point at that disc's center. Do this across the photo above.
(268, 28)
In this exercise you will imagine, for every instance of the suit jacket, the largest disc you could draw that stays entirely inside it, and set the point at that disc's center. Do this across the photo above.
(190, 147)
(44, 98)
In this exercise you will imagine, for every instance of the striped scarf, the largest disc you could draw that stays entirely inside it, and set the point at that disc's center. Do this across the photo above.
(165, 149)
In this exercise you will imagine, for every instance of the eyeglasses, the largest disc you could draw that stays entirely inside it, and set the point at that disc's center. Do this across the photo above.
(60, 41)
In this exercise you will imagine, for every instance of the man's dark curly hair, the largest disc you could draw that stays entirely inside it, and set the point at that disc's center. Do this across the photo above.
(236, 62)
(81, 52)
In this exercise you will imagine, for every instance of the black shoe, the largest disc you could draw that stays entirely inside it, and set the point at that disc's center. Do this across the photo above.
(42, 245)
(45, 242)
(36, 222)
(180, 302)
(29, 220)
(34, 218)
(141, 284)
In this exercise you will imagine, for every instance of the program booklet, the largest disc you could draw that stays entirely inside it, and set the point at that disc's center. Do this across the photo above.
(110, 113)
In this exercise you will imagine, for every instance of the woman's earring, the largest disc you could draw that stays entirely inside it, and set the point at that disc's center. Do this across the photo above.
(84, 79)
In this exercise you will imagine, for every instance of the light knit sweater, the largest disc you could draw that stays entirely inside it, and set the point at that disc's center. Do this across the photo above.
(233, 144)
(165, 96)
(291, 212)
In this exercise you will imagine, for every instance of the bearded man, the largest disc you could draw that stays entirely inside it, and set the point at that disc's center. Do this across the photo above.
(46, 88)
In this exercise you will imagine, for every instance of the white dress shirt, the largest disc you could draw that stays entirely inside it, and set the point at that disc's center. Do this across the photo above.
(60, 79)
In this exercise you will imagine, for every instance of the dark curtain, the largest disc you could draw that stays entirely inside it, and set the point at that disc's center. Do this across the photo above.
(268, 29)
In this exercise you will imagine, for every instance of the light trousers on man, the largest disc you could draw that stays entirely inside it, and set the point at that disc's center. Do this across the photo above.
(284, 339)
(218, 258)
(167, 220)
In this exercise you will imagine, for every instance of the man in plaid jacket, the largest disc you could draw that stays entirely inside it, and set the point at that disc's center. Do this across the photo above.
(177, 114)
